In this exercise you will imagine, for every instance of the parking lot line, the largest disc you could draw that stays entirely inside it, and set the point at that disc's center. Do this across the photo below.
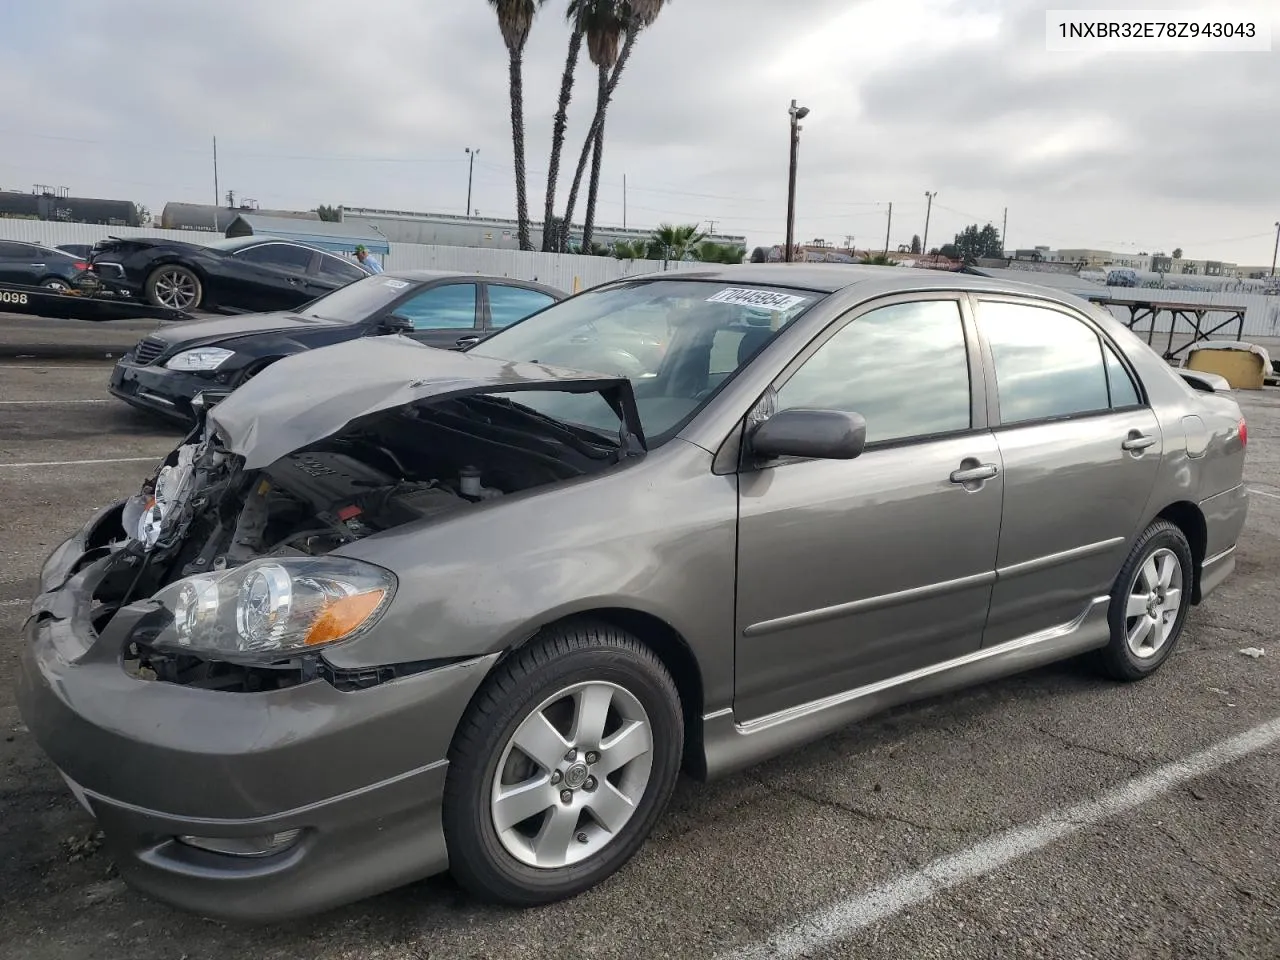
(77, 463)
(1263, 493)
(843, 919)
(12, 603)
(32, 402)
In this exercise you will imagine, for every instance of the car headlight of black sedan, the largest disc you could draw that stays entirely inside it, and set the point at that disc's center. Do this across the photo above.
(199, 359)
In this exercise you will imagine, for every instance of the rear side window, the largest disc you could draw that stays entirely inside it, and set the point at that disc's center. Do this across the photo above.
(334, 268)
(281, 255)
(904, 367)
(509, 304)
(1047, 363)
(1124, 392)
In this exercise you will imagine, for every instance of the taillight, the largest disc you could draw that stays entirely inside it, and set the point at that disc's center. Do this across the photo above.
(1244, 433)
(82, 266)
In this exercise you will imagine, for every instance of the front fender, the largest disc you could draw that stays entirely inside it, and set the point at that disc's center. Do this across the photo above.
(657, 536)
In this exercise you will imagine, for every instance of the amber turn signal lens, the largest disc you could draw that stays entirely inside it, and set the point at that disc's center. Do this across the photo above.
(341, 617)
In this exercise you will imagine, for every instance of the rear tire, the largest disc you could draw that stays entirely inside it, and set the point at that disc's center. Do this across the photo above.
(175, 287)
(602, 712)
(1149, 604)
(55, 283)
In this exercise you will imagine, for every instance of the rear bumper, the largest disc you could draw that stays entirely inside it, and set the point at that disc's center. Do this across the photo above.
(359, 774)
(1224, 516)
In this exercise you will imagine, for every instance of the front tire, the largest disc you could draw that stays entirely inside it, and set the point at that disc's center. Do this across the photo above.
(1149, 604)
(561, 766)
(175, 287)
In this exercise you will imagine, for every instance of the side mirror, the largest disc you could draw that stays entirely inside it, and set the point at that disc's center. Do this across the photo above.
(397, 324)
(813, 434)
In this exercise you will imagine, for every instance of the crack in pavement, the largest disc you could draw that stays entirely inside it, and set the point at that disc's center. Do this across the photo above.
(875, 817)
(1232, 882)
(1100, 751)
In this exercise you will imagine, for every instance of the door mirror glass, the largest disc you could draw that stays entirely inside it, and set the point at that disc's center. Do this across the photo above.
(813, 434)
(397, 324)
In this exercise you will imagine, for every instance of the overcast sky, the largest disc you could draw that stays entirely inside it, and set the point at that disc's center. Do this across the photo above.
(371, 102)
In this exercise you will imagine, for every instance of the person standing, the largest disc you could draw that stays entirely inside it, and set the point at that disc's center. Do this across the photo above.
(366, 261)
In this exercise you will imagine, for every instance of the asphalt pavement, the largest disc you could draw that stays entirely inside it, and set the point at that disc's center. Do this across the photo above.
(1049, 815)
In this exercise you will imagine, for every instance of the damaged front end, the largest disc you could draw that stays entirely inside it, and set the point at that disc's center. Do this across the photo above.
(229, 558)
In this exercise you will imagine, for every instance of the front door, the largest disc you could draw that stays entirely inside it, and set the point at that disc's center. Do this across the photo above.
(272, 276)
(851, 572)
(442, 314)
(1081, 452)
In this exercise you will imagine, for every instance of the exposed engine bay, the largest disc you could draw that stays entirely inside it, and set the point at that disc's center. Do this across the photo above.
(202, 512)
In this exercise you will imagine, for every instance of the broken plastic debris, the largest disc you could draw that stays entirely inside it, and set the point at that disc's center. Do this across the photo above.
(1254, 652)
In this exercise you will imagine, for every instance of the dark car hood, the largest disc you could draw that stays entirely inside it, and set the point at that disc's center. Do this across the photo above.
(204, 332)
(308, 397)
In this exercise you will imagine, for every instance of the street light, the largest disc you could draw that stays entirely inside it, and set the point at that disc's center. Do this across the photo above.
(797, 114)
(924, 244)
(1276, 251)
(471, 163)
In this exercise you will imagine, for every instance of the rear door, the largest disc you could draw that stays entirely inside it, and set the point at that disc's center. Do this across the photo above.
(268, 276)
(442, 314)
(19, 263)
(507, 303)
(1081, 451)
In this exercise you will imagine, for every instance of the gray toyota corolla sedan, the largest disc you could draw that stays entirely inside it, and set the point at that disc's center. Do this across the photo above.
(391, 610)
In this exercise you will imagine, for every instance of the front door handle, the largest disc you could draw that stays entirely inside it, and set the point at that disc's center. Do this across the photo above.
(468, 341)
(983, 471)
(1138, 441)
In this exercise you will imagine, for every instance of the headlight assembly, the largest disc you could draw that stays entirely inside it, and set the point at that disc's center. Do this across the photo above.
(272, 609)
(202, 358)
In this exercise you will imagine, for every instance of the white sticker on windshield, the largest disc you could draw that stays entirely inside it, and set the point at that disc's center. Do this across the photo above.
(757, 298)
(395, 284)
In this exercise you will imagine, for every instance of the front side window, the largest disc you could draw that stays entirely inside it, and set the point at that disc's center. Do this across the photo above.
(1047, 364)
(281, 255)
(677, 341)
(448, 307)
(509, 304)
(904, 368)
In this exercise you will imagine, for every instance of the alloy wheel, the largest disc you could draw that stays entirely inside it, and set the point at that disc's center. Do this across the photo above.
(572, 775)
(1155, 599)
(175, 290)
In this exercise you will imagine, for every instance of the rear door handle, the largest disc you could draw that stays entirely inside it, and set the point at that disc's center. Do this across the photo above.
(984, 471)
(1138, 442)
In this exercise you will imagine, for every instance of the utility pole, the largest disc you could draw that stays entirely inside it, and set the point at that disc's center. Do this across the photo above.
(471, 164)
(624, 201)
(217, 194)
(1003, 229)
(797, 114)
(888, 228)
(1276, 252)
(711, 228)
(924, 244)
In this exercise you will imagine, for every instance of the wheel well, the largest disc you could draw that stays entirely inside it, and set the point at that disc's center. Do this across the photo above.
(676, 655)
(1187, 517)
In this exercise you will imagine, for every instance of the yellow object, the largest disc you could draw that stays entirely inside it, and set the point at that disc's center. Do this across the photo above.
(1243, 369)
(341, 617)
(577, 284)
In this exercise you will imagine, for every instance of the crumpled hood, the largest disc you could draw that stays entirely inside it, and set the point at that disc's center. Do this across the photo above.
(305, 398)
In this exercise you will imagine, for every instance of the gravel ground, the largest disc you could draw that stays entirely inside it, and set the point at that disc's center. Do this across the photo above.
(1193, 871)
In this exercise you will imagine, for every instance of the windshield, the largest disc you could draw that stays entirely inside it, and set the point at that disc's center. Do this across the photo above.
(358, 300)
(677, 341)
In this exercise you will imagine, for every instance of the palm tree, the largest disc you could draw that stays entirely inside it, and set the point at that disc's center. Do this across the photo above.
(709, 252)
(675, 243)
(630, 249)
(515, 17)
(605, 23)
(550, 239)
(880, 260)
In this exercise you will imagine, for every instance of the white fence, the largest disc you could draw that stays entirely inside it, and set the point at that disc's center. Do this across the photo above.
(567, 272)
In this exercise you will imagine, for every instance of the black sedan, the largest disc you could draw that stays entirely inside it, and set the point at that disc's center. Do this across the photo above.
(38, 266)
(167, 370)
(235, 275)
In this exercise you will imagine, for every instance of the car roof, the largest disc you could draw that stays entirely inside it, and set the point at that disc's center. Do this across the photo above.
(835, 277)
(426, 275)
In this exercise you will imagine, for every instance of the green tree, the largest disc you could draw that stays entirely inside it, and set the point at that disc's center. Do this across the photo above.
(973, 243)
(710, 252)
(329, 214)
(950, 251)
(1177, 253)
(630, 249)
(879, 260)
(675, 242)
(515, 18)
(915, 243)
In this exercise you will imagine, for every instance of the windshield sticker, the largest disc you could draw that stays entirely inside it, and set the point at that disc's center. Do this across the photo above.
(395, 284)
(743, 297)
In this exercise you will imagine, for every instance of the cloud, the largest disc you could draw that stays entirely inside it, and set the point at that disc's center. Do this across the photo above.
(328, 101)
